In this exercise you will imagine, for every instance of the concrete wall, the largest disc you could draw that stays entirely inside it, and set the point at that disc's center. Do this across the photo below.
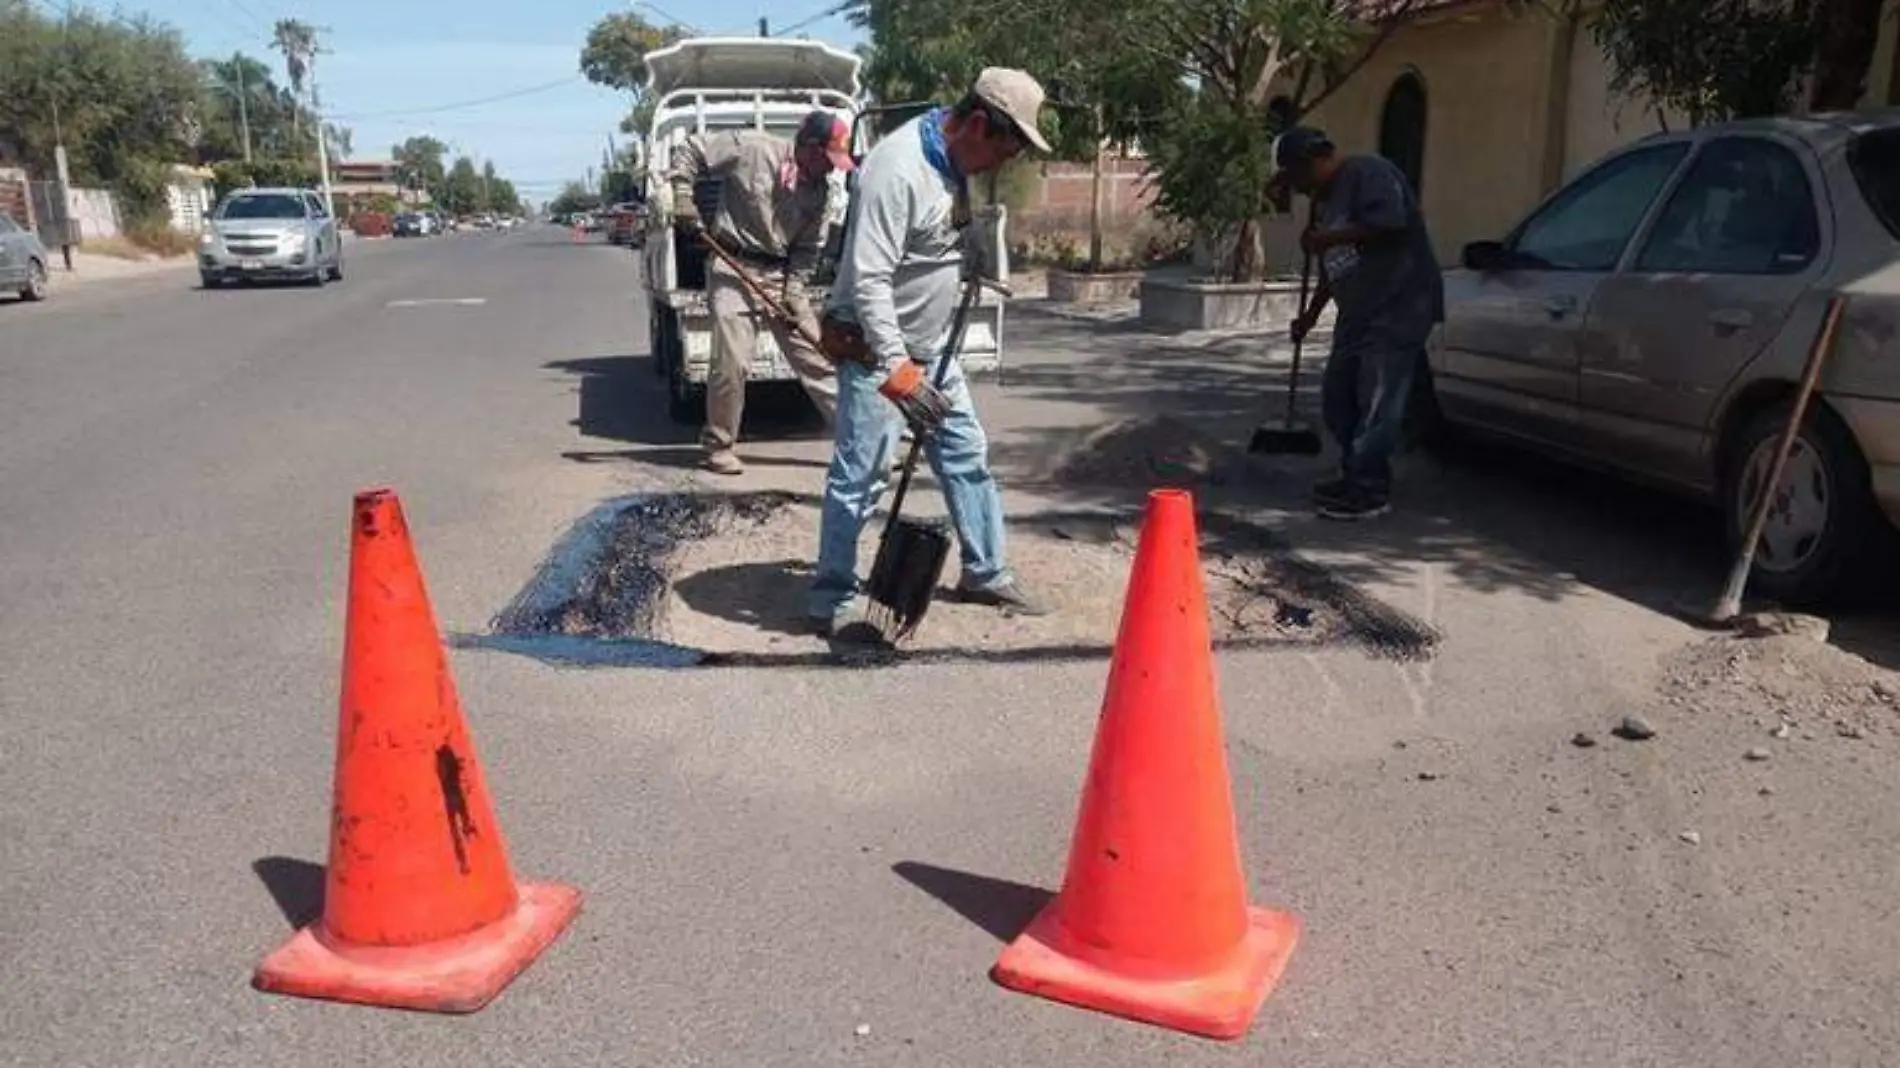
(95, 211)
(1488, 90)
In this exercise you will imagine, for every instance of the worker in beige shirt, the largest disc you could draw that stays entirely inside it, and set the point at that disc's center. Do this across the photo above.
(771, 219)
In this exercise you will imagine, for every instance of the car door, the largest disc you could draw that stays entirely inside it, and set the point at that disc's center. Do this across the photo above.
(1507, 356)
(1738, 241)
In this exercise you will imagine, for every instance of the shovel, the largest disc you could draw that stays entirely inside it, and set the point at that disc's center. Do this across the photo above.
(911, 552)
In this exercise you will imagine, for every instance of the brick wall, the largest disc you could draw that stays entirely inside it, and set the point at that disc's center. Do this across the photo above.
(1063, 197)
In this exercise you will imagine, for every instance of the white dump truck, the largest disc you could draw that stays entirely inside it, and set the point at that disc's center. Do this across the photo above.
(709, 84)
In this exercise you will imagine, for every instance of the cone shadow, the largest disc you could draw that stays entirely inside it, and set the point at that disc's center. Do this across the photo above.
(296, 885)
(998, 906)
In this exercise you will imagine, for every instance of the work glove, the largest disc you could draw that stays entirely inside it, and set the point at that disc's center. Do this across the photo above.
(688, 223)
(920, 403)
(1303, 325)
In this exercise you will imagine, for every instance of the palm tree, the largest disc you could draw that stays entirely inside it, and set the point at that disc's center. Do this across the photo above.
(298, 42)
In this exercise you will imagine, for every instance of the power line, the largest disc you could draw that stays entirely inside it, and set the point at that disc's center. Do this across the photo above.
(461, 104)
(835, 9)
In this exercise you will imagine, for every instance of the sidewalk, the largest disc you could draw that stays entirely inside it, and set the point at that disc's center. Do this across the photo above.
(92, 267)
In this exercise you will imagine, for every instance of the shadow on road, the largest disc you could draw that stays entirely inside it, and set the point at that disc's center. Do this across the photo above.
(296, 886)
(623, 399)
(998, 906)
(769, 596)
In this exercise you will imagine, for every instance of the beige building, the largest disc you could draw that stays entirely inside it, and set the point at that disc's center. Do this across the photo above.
(1489, 110)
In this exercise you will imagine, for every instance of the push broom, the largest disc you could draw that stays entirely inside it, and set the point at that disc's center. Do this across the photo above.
(911, 552)
(1287, 436)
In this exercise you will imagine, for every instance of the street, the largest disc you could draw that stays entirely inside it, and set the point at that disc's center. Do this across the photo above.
(814, 864)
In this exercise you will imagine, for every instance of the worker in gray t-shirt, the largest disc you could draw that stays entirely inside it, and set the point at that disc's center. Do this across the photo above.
(1378, 267)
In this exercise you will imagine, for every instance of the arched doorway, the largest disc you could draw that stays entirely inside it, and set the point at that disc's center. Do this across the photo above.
(1402, 128)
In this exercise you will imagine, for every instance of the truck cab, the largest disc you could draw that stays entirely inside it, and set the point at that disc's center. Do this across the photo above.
(712, 84)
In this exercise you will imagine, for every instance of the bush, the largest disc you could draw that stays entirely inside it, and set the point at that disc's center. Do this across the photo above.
(157, 236)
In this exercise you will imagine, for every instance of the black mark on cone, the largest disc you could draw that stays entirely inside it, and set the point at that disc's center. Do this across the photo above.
(448, 769)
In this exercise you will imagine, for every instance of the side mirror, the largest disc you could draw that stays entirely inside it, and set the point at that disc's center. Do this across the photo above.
(1486, 256)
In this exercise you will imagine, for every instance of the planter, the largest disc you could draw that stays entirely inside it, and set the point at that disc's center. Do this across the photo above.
(1184, 304)
(1082, 287)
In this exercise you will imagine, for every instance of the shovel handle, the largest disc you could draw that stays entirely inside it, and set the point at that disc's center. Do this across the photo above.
(796, 325)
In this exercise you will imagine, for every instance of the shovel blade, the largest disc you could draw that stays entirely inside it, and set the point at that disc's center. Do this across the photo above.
(910, 561)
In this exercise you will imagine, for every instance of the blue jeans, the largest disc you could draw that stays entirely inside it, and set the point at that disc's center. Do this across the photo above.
(868, 430)
(1367, 381)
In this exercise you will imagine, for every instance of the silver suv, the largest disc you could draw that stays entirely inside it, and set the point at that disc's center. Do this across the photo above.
(270, 233)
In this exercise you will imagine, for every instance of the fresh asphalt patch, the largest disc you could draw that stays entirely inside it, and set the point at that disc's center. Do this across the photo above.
(713, 579)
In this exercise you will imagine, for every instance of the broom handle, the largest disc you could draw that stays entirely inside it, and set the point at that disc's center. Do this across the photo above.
(971, 287)
(1306, 282)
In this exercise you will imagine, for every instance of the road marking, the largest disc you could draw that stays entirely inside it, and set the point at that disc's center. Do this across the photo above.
(464, 302)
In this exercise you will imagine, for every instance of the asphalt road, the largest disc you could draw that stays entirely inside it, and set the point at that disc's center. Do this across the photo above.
(774, 859)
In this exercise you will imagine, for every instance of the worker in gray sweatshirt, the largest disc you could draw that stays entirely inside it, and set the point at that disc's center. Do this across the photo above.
(887, 319)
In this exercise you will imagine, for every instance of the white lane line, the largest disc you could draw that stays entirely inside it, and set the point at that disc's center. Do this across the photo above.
(463, 302)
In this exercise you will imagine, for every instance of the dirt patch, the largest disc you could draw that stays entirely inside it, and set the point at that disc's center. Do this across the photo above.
(1156, 451)
(1808, 684)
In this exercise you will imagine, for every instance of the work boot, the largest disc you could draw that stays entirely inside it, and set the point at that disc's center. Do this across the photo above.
(1355, 504)
(724, 462)
(1009, 596)
(1333, 489)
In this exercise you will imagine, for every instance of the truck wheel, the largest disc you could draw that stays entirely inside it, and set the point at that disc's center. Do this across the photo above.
(1825, 536)
(657, 341)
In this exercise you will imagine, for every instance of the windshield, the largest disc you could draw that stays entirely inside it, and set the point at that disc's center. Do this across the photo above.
(1875, 159)
(264, 206)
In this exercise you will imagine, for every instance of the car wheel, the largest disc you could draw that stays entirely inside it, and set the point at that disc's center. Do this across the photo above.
(35, 287)
(209, 281)
(318, 278)
(1825, 536)
(336, 272)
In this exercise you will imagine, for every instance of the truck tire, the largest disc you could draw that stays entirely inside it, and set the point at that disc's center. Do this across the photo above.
(685, 401)
(657, 334)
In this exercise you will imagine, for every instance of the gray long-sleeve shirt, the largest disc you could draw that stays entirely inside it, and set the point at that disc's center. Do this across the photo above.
(901, 270)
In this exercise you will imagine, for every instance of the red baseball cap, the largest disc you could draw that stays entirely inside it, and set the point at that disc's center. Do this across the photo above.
(824, 128)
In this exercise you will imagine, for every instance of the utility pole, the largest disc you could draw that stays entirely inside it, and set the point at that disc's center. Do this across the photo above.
(244, 111)
(764, 30)
(63, 211)
(316, 113)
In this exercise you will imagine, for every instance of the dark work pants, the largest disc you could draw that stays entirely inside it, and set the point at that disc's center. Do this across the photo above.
(1368, 379)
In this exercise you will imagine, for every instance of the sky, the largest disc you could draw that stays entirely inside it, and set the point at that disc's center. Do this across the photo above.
(398, 68)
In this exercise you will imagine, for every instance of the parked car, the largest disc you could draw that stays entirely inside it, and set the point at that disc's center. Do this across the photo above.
(22, 260)
(1654, 314)
(270, 233)
(415, 224)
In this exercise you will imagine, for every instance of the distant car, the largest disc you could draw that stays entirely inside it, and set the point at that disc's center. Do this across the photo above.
(1653, 316)
(22, 261)
(414, 224)
(270, 233)
(626, 224)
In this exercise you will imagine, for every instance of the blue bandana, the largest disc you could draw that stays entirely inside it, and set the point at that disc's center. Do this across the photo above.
(936, 153)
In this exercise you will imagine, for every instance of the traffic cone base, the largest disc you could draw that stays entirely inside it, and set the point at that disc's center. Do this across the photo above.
(459, 974)
(1220, 1003)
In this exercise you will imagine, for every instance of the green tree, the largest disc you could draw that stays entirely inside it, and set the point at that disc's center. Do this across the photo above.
(615, 56)
(128, 96)
(573, 197)
(1709, 59)
(1124, 70)
(419, 163)
(461, 188)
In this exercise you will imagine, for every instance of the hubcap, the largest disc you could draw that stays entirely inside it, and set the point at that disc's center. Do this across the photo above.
(1798, 512)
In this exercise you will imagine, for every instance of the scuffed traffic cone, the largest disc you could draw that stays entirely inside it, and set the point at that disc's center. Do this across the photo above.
(1152, 922)
(420, 907)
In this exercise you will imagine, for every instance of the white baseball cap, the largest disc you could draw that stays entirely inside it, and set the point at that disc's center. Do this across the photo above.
(1017, 97)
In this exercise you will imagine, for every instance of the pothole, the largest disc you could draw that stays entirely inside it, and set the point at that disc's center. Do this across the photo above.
(684, 579)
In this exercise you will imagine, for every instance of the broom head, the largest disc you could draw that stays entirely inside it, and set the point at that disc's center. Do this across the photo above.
(904, 577)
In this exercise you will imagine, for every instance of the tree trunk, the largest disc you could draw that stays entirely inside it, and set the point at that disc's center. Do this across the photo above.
(1095, 196)
(1844, 48)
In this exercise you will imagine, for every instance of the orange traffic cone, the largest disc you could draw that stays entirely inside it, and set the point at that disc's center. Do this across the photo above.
(420, 907)
(1152, 922)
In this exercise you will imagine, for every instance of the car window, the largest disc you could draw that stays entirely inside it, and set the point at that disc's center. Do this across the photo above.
(263, 206)
(1587, 226)
(1745, 207)
(1875, 159)
(315, 204)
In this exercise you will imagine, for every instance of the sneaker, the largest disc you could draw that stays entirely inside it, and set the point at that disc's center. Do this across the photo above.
(1355, 505)
(724, 462)
(1010, 596)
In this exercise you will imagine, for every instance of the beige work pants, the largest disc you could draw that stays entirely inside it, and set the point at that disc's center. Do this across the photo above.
(733, 347)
